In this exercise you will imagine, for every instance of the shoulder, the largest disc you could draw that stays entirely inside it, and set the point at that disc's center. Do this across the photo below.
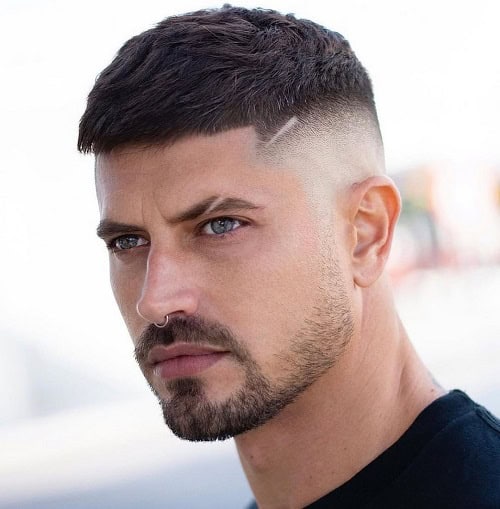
(472, 432)
(459, 467)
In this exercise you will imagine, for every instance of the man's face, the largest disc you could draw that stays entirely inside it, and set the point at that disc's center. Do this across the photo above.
(239, 257)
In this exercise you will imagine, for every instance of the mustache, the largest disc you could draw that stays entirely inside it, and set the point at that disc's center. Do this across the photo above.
(190, 330)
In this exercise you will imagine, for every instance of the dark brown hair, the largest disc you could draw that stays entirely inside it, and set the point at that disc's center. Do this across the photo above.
(217, 69)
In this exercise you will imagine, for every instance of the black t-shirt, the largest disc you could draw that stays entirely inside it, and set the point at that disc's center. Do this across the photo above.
(449, 458)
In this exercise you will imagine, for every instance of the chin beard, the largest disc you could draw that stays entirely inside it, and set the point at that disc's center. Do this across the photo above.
(191, 416)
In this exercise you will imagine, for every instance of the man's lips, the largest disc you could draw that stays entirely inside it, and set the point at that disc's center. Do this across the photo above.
(182, 360)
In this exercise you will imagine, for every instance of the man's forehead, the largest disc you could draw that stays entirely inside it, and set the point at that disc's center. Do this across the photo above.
(188, 171)
(287, 146)
(319, 157)
(185, 160)
(242, 141)
(227, 156)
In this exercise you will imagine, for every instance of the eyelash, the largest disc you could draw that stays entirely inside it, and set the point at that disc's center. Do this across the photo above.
(111, 244)
(219, 236)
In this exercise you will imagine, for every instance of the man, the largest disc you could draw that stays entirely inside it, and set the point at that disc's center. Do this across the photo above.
(244, 202)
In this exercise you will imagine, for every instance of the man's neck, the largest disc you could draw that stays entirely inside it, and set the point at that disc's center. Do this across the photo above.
(339, 425)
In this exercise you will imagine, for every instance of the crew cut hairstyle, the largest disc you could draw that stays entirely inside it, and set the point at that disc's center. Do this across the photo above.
(216, 69)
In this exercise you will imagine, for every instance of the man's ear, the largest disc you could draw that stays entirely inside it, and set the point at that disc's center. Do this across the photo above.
(374, 209)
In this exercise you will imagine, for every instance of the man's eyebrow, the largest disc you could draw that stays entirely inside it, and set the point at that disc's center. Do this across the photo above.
(108, 228)
(210, 205)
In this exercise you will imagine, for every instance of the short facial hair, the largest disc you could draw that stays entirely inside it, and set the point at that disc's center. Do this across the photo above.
(313, 350)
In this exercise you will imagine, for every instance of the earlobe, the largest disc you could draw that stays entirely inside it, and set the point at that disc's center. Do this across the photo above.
(375, 207)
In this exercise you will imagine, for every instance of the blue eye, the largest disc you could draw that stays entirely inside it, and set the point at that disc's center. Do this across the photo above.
(220, 226)
(126, 242)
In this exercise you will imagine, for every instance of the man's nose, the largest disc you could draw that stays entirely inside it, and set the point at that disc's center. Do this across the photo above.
(168, 288)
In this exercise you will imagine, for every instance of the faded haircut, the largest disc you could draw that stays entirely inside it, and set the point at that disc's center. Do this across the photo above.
(213, 70)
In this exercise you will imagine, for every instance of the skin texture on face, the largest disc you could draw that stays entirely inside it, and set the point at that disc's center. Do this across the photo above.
(269, 293)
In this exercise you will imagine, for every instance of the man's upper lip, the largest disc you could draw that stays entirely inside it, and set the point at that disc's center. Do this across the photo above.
(161, 353)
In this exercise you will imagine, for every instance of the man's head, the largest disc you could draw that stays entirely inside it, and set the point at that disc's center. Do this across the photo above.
(238, 170)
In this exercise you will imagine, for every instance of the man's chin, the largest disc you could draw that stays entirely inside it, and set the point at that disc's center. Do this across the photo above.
(191, 415)
(201, 423)
(196, 419)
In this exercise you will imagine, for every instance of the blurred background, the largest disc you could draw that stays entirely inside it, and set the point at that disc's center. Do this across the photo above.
(78, 426)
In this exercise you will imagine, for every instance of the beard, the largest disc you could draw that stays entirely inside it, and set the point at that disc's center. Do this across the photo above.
(312, 351)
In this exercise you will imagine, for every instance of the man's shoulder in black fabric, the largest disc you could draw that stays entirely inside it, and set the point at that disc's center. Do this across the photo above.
(448, 458)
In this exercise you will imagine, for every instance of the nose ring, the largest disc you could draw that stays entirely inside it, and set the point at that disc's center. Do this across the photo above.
(161, 325)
